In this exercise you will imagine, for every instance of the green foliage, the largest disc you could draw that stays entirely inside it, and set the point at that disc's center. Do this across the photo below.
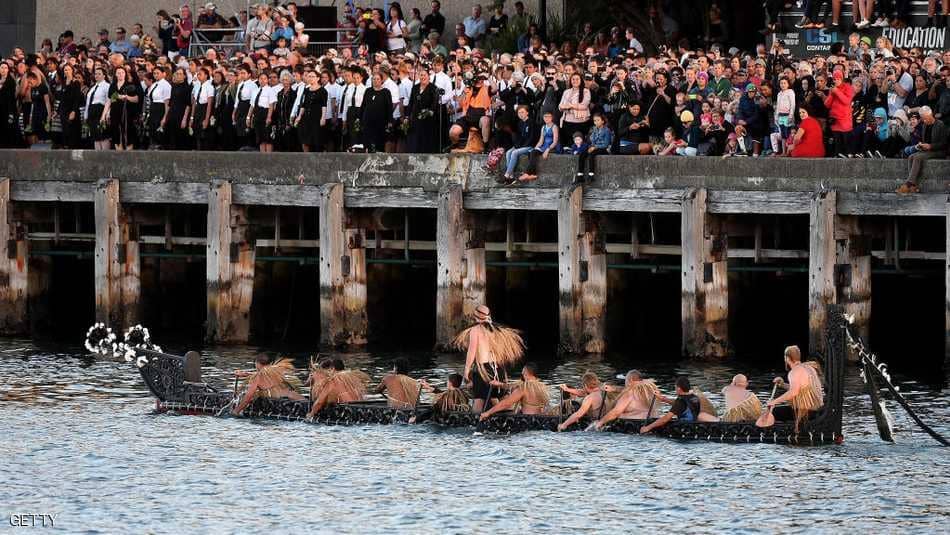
(507, 39)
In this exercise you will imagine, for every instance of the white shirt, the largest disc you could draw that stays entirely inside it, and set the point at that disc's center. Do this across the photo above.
(394, 27)
(895, 101)
(299, 87)
(266, 96)
(160, 92)
(394, 92)
(246, 91)
(334, 94)
(405, 91)
(98, 94)
(205, 91)
(352, 96)
(443, 82)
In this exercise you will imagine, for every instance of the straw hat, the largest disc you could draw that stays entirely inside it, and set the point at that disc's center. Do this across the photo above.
(482, 314)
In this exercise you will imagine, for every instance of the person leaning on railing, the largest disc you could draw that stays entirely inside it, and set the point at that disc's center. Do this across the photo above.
(259, 29)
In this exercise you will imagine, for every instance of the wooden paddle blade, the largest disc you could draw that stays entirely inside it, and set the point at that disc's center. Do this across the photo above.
(766, 420)
(881, 417)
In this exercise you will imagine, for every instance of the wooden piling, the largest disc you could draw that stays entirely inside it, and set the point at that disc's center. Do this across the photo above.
(594, 284)
(853, 272)
(14, 269)
(704, 280)
(821, 266)
(355, 318)
(342, 275)
(569, 234)
(475, 279)
(716, 288)
(450, 271)
(117, 269)
(230, 268)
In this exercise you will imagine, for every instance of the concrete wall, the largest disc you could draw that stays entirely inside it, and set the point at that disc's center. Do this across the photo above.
(86, 17)
(17, 21)
(429, 172)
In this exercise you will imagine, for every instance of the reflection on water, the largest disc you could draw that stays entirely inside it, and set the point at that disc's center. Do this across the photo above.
(81, 441)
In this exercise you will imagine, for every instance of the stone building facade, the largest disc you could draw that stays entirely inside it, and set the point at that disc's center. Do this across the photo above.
(86, 17)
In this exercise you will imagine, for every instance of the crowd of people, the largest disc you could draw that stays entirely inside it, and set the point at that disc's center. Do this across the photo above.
(398, 84)
(484, 388)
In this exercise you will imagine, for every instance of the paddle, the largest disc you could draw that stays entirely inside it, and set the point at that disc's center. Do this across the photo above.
(767, 419)
(234, 400)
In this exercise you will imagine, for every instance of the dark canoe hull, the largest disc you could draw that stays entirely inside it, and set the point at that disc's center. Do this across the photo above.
(164, 374)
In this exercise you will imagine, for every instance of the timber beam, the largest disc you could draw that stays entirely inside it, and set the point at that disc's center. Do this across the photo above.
(117, 269)
(343, 320)
(230, 267)
(14, 268)
(821, 267)
(705, 280)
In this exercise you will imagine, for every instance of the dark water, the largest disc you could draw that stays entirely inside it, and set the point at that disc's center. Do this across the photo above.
(80, 441)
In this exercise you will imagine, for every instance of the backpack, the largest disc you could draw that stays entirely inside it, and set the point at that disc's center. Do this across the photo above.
(494, 157)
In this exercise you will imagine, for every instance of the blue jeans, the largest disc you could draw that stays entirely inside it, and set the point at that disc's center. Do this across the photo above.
(512, 156)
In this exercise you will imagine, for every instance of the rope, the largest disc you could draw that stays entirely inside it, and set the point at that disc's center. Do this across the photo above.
(880, 369)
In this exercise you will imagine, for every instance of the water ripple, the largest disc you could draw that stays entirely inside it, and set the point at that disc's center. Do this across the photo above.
(82, 441)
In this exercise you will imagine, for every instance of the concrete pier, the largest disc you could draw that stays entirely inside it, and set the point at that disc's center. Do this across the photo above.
(727, 211)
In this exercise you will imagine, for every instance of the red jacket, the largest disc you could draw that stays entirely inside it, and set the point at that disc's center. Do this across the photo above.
(839, 107)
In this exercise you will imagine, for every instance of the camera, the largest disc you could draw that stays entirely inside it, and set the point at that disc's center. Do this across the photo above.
(890, 72)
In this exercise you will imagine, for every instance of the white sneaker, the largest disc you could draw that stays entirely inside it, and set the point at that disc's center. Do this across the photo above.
(881, 23)
(862, 25)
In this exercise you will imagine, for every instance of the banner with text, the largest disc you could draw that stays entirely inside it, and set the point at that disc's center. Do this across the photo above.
(805, 43)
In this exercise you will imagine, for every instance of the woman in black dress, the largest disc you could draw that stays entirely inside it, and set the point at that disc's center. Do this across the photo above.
(123, 114)
(35, 107)
(224, 91)
(9, 133)
(422, 116)
(69, 101)
(310, 121)
(283, 108)
(377, 114)
(179, 108)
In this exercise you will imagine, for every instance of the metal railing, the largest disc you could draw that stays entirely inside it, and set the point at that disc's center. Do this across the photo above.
(202, 40)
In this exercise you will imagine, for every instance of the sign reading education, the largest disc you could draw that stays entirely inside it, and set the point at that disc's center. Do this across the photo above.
(805, 43)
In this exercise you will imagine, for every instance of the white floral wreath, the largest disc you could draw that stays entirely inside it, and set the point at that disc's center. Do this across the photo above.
(101, 340)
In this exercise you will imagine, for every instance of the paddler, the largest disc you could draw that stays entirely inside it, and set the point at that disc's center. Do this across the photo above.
(345, 386)
(320, 373)
(593, 400)
(268, 380)
(401, 391)
(742, 405)
(452, 399)
(805, 393)
(639, 400)
(489, 349)
(530, 393)
(686, 407)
